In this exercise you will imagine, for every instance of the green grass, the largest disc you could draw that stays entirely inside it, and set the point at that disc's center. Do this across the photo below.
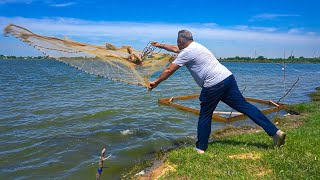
(304, 108)
(251, 156)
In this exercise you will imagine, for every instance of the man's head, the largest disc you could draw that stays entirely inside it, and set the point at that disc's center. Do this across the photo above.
(184, 39)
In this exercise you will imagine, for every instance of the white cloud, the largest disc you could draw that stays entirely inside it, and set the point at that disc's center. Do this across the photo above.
(137, 34)
(47, 2)
(311, 33)
(255, 28)
(78, 27)
(295, 31)
(210, 24)
(302, 31)
(64, 4)
(271, 16)
(16, 1)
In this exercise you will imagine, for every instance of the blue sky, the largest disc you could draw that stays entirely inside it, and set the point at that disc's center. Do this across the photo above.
(270, 28)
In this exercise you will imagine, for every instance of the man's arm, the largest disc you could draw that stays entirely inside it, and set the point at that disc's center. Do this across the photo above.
(163, 76)
(168, 47)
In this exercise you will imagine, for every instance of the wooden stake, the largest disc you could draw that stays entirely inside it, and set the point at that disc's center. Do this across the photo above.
(274, 103)
(99, 171)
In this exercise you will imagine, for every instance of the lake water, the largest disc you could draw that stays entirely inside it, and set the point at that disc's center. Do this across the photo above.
(55, 120)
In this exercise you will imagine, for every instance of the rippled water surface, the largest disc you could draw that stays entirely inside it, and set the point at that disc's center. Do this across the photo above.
(54, 119)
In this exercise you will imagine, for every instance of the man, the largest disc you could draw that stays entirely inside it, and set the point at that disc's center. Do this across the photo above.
(217, 84)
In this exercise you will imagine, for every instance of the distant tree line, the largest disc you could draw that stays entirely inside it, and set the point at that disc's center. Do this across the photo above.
(23, 57)
(262, 59)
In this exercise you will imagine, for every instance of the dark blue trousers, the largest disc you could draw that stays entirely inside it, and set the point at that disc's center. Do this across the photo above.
(228, 92)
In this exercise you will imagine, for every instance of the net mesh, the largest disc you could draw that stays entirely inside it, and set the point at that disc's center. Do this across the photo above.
(123, 64)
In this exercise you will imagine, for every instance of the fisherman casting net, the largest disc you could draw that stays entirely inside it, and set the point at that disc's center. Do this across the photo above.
(120, 64)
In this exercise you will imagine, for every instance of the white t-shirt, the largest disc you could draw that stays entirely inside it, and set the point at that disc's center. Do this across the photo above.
(205, 69)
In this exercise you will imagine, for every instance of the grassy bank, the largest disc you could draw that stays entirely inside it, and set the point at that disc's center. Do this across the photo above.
(247, 153)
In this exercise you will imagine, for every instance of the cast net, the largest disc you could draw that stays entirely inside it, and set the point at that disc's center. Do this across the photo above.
(123, 64)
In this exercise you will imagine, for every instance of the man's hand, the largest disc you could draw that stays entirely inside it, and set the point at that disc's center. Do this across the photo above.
(168, 47)
(156, 44)
(152, 85)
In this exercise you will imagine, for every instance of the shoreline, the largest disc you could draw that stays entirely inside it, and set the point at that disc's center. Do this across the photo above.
(161, 166)
(271, 62)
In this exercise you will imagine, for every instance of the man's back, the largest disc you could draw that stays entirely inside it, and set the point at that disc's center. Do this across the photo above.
(206, 70)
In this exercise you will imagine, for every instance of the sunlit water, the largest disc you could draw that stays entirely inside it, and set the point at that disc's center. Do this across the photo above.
(55, 120)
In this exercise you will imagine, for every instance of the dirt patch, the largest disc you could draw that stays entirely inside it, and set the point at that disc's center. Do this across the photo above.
(232, 130)
(159, 171)
(290, 121)
(251, 155)
(262, 172)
